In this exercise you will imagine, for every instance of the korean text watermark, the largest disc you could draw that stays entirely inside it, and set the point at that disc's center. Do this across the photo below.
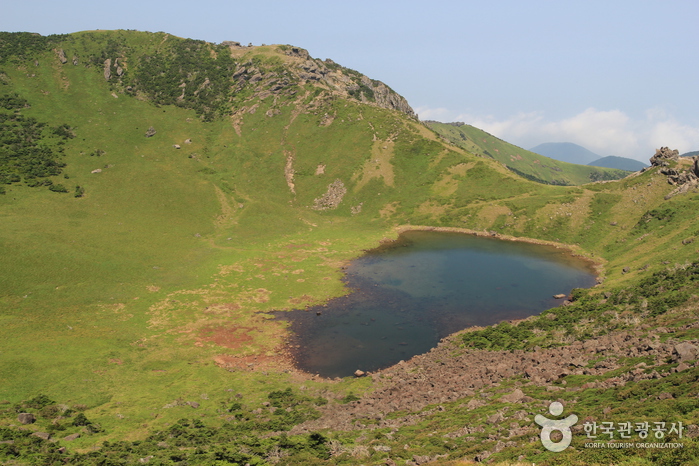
(606, 433)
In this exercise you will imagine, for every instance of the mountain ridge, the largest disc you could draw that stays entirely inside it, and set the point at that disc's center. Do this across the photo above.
(530, 165)
(622, 163)
(566, 152)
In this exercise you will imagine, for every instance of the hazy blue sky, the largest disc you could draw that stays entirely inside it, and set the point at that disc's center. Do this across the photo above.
(618, 77)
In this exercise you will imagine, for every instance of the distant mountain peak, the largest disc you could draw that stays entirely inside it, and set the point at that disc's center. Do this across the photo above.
(566, 152)
(622, 163)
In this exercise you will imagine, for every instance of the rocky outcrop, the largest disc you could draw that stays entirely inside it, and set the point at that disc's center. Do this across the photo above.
(663, 157)
(62, 56)
(332, 197)
(684, 179)
(387, 98)
(310, 71)
(297, 52)
(325, 73)
(107, 69)
(151, 132)
(670, 165)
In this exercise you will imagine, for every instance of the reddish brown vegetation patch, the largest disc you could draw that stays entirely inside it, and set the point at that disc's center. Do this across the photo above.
(280, 362)
(244, 362)
(228, 337)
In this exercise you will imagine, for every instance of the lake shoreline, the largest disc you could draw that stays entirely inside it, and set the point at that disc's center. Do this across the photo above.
(597, 263)
(591, 266)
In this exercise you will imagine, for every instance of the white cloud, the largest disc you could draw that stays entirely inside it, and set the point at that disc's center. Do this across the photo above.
(683, 137)
(605, 132)
(439, 114)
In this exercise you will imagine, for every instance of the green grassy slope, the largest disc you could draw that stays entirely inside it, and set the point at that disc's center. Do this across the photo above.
(523, 162)
(153, 289)
(158, 222)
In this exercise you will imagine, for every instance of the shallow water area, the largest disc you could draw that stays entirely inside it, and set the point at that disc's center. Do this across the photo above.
(411, 293)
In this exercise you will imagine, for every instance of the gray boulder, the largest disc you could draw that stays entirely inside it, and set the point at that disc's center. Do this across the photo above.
(26, 418)
(62, 56)
(513, 397)
(107, 69)
(685, 352)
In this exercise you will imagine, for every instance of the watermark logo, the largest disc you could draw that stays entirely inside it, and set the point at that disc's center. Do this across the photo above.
(551, 425)
(656, 430)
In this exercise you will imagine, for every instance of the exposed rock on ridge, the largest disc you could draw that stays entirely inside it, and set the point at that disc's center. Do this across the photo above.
(235, 84)
(669, 163)
(345, 81)
(664, 156)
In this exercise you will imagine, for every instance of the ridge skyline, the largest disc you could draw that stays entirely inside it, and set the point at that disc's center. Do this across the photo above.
(536, 73)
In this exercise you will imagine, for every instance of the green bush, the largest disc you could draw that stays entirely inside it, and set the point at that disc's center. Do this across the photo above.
(58, 188)
(504, 336)
(349, 398)
(25, 151)
(64, 131)
(23, 45)
(13, 102)
(81, 420)
(39, 402)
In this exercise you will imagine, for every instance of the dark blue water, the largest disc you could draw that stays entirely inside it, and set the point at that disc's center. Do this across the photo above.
(410, 294)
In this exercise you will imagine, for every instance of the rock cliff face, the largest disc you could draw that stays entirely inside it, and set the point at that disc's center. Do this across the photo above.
(327, 74)
(677, 171)
(341, 80)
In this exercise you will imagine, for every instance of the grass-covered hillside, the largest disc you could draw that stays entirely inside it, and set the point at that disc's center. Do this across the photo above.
(162, 196)
(525, 163)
